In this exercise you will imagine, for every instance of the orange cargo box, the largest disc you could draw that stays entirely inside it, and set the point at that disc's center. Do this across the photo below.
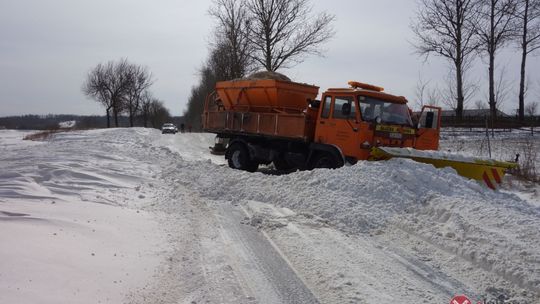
(260, 95)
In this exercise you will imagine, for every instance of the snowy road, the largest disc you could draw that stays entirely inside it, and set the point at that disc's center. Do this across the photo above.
(269, 277)
(132, 216)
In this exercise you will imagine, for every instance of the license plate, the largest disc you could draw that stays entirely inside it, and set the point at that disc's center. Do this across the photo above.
(396, 135)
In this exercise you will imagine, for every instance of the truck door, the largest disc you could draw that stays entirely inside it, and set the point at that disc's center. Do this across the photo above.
(429, 126)
(324, 125)
(338, 124)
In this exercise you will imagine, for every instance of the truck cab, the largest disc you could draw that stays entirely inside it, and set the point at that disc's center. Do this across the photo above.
(356, 119)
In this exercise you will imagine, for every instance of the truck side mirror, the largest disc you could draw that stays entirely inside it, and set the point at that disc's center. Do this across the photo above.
(314, 103)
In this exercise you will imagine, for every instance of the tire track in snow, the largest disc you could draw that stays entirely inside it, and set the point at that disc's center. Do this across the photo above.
(265, 271)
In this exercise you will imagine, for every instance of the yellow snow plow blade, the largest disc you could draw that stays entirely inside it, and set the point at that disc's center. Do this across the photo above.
(491, 172)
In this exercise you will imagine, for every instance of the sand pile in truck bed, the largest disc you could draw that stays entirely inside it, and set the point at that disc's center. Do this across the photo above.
(264, 75)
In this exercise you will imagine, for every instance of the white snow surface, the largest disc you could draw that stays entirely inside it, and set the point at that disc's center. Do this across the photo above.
(132, 215)
(413, 153)
(69, 225)
(67, 124)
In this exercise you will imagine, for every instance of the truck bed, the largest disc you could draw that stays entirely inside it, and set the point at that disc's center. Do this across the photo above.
(296, 126)
(258, 95)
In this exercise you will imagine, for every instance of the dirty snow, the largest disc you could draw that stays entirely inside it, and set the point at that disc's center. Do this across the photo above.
(376, 232)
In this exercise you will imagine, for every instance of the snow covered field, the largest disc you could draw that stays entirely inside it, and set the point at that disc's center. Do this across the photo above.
(133, 216)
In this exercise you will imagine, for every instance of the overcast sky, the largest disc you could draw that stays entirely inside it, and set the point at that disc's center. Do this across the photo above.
(48, 46)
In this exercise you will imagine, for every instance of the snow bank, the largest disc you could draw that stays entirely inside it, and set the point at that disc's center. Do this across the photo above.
(70, 228)
(496, 232)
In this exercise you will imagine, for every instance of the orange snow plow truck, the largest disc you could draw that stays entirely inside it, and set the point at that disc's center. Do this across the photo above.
(281, 122)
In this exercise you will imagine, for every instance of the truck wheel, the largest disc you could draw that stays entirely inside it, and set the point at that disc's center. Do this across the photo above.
(325, 160)
(238, 158)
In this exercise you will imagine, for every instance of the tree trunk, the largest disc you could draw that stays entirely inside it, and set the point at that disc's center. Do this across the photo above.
(459, 90)
(115, 113)
(269, 66)
(459, 72)
(492, 101)
(131, 118)
(108, 118)
(522, 87)
(491, 51)
(523, 64)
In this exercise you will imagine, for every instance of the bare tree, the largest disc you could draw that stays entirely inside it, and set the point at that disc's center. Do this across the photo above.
(496, 28)
(139, 79)
(528, 22)
(109, 83)
(502, 88)
(283, 32)
(421, 91)
(449, 95)
(532, 108)
(231, 49)
(94, 87)
(195, 106)
(158, 113)
(479, 104)
(144, 109)
(117, 83)
(425, 93)
(118, 87)
(433, 96)
(447, 28)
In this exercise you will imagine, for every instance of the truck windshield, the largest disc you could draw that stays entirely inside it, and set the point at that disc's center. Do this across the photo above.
(389, 113)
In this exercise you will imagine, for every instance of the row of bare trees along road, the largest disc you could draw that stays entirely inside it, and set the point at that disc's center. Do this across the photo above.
(461, 30)
(123, 87)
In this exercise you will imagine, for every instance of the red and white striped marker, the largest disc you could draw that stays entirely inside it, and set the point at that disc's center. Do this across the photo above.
(492, 181)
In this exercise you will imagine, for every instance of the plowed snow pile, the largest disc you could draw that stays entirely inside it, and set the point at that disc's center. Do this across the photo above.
(497, 232)
(493, 231)
(488, 242)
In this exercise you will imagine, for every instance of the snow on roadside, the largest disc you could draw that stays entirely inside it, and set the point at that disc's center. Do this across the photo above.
(491, 232)
(70, 251)
(12, 138)
(190, 146)
(419, 216)
(69, 220)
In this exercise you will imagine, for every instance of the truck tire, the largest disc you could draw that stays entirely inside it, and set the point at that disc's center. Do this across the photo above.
(238, 158)
(325, 160)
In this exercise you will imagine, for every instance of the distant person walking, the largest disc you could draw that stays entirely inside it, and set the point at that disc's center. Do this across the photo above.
(189, 128)
(182, 128)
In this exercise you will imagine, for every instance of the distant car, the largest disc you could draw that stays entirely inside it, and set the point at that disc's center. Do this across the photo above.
(169, 128)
